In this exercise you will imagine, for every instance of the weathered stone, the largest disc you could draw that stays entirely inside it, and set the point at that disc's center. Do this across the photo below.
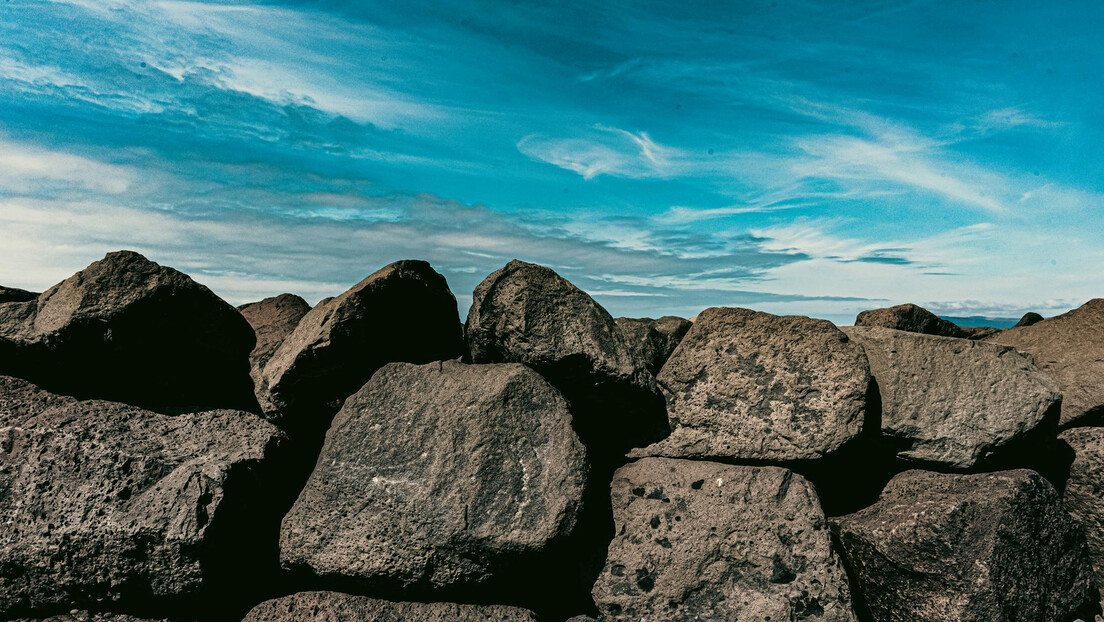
(272, 319)
(912, 318)
(1029, 319)
(653, 340)
(12, 294)
(955, 402)
(582, 619)
(103, 502)
(402, 312)
(528, 314)
(86, 616)
(337, 607)
(940, 547)
(1069, 347)
(130, 330)
(707, 541)
(438, 474)
(1084, 494)
(754, 386)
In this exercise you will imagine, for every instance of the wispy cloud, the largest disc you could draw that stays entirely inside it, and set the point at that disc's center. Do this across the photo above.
(25, 168)
(606, 151)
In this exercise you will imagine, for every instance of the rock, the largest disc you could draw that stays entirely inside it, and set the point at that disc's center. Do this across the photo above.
(402, 312)
(911, 318)
(105, 502)
(337, 607)
(941, 547)
(582, 619)
(653, 340)
(439, 475)
(12, 294)
(528, 314)
(130, 330)
(86, 616)
(954, 402)
(1069, 347)
(707, 541)
(272, 319)
(746, 385)
(1084, 495)
(1029, 319)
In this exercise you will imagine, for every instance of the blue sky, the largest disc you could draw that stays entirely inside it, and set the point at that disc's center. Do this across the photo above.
(817, 158)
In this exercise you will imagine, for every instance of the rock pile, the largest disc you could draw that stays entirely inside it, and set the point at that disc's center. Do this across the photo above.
(164, 456)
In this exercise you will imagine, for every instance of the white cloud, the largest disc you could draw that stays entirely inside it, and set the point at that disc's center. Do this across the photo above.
(606, 151)
(25, 168)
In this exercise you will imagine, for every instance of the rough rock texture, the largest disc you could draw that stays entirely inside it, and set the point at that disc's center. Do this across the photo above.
(528, 314)
(914, 319)
(940, 547)
(653, 340)
(402, 312)
(1084, 495)
(754, 386)
(337, 607)
(434, 475)
(85, 616)
(1028, 319)
(955, 402)
(130, 330)
(272, 319)
(102, 501)
(1069, 347)
(707, 541)
(12, 294)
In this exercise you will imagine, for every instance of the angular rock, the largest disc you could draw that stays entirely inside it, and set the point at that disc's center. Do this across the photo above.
(653, 340)
(707, 541)
(954, 402)
(528, 314)
(272, 319)
(941, 547)
(1069, 347)
(754, 386)
(12, 294)
(912, 318)
(402, 312)
(106, 502)
(130, 330)
(338, 607)
(1084, 494)
(437, 475)
(1029, 319)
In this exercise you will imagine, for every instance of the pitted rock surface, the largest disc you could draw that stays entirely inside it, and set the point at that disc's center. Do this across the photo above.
(913, 319)
(653, 340)
(85, 616)
(337, 607)
(1084, 494)
(14, 294)
(272, 319)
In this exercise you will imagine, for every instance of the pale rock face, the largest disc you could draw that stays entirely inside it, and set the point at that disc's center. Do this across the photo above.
(272, 319)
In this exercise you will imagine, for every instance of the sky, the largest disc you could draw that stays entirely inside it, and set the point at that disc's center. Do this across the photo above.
(795, 157)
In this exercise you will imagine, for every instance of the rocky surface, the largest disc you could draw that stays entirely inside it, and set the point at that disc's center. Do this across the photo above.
(402, 312)
(337, 607)
(942, 547)
(1069, 347)
(86, 616)
(528, 314)
(1084, 494)
(707, 541)
(130, 330)
(272, 319)
(653, 340)
(915, 319)
(1029, 319)
(439, 474)
(12, 294)
(954, 402)
(747, 385)
(105, 502)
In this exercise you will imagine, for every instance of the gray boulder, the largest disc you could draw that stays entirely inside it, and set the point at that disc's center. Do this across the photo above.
(272, 319)
(1084, 494)
(914, 319)
(653, 340)
(1070, 348)
(707, 541)
(130, 330)
(105, 502)
(402, 312)
(941, 547)
(13, 294)
(439, 475)
(954, 402)
(337, 607)
(528, 314)
(746, 385)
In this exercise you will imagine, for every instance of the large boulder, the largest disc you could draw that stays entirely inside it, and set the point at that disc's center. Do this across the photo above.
(130, 330)
(272, 319)
(402, 312)
(13, 294)
(1084, 494)
(528, 314)
(914, 319)
(706, 541)
(746, 385)
(653, 340)
(338, 607)
(1069, 347)
(953, 402)
(941, 547)
(439, 475)
(105, 502)
(1030, 318)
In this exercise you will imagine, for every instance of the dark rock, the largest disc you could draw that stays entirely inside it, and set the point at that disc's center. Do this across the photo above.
(1069, 347)
(337, 607)
(1084, 494)
(941, 547)
(746, 385)
(707, 541)
(582, 619)
(653, 340)
(1029, 319)
(914, 319)
(954, 402)
(105, 502)
(528, 314)
(272, 319)
(130, 330)
(86, 616)
(12, 294)
(439, 475)
(402, 312)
